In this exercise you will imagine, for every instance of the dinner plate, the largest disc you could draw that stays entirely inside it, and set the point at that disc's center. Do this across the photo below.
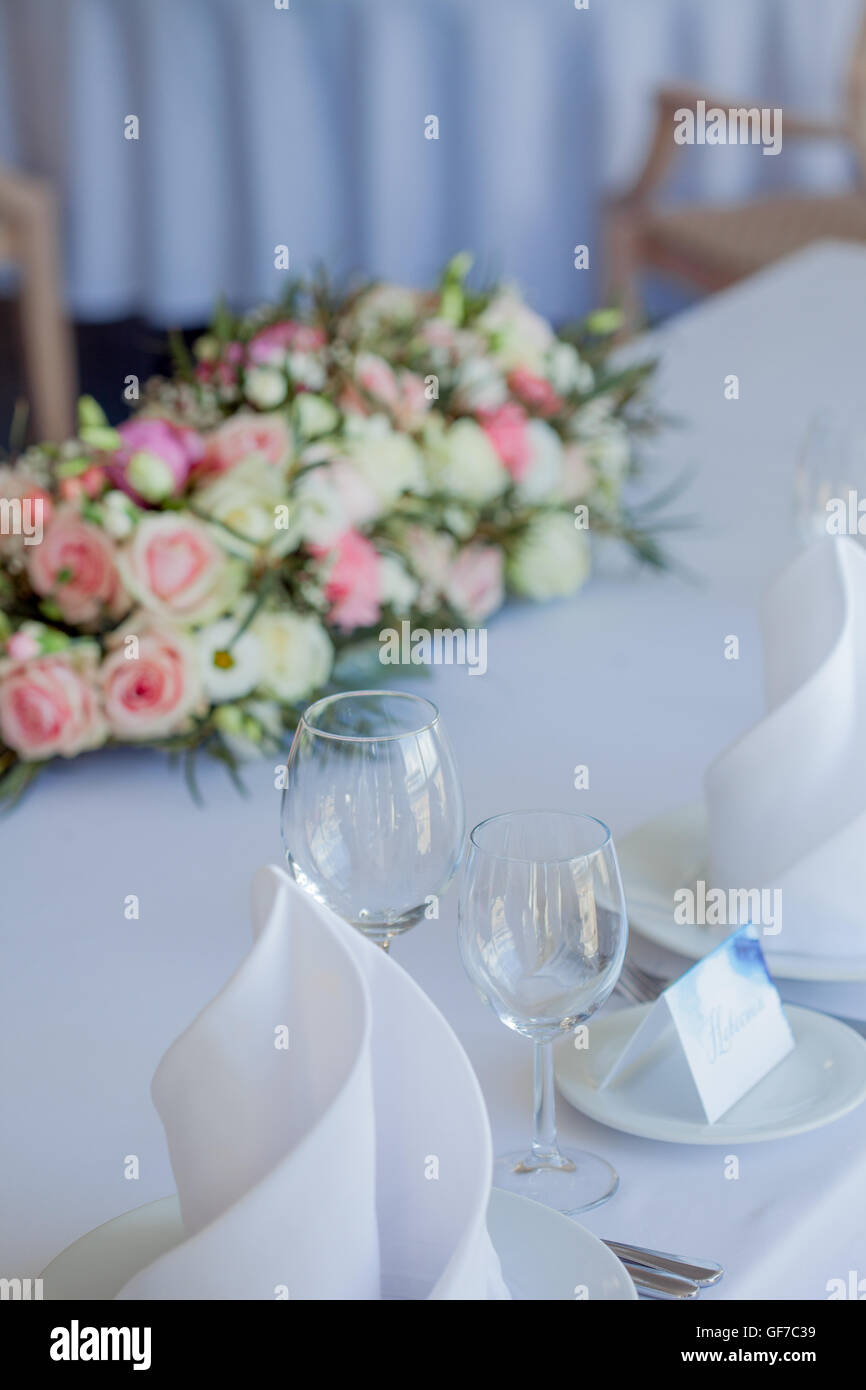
(819, 1081)
(669, 853)
(544, 1255)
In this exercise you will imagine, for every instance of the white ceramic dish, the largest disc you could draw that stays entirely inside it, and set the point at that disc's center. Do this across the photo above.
(821, 1080)
(669, 853)
(544, 1254)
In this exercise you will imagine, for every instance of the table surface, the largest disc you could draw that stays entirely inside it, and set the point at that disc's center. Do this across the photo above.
(629, 678)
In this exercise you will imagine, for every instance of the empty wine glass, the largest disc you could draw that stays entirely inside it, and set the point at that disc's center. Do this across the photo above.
(372, 813)
(543, 933)
(830, 476)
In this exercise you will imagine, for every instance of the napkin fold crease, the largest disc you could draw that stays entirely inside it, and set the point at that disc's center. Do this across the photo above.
(787, 801)
(326, 1131)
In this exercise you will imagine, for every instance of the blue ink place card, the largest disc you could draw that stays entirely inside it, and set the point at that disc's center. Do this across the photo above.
(728, 1021)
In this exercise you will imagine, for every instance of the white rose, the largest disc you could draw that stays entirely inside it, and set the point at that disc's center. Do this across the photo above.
(390, 465)
(429, 554)
(396, 586)
(314, 415)
(544, 472)
(393, 305)
(246, 499)
(297, 655)
(118, 515)
(521, 338)
(306, 369)
(461, 521)
(551, 558)
(265, 387)
(479, 386)
(566, 370)
(462, 461)
(376, 426)
(331, 499)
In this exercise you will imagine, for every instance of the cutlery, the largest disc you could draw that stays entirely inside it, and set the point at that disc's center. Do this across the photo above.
(640, 986)
(653, 1283)
(702, 1272)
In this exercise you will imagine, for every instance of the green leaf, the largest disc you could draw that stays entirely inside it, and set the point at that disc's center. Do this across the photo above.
(90, 413)
(15, 782)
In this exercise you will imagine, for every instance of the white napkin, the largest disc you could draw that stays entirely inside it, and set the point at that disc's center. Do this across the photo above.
(787, 801)
(354, 1164)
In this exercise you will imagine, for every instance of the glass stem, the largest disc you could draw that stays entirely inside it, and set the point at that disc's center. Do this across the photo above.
(544, 1145)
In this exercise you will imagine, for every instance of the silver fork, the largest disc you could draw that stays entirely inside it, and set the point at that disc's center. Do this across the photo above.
(639, 986)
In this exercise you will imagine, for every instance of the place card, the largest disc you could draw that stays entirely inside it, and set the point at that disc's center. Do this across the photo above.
(728, 1021)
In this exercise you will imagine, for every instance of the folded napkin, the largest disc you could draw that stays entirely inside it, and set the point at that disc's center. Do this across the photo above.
(787, 802)
(327, 1133)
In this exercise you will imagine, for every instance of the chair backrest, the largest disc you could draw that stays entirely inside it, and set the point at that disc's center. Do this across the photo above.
(856, 95)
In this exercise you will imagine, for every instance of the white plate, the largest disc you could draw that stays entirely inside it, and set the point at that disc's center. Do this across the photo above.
(669, 853)
(544, 1254)
(821, 1080)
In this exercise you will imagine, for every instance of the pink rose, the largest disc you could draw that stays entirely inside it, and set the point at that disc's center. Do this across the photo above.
(475, 586)
(155, 459)
(353, 585)
(535, 392)
(153, 694)
(376, 378)
(75, 566)
(21, 646)
(402, 393)
(413, 402)
(430, 553)
(246, 434)
(224, 370)
(273, 344)
(37, 507)
(505, 427)
(577, 475)
(49, 706)
(91, 483)
(173, 566)
(351, 402)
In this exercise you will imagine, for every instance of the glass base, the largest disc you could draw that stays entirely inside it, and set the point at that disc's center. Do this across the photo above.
(570, 1181)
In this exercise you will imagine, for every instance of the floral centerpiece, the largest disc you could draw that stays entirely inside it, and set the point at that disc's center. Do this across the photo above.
(192, 578)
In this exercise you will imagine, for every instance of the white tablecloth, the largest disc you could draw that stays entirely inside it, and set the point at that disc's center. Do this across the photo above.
(305, 127)
(629, 678)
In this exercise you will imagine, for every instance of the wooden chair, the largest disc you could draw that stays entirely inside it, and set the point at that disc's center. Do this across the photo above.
(711, 246)
(29, 240)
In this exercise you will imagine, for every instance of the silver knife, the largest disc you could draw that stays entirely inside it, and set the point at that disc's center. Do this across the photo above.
(701, 1272)
(654, 1283)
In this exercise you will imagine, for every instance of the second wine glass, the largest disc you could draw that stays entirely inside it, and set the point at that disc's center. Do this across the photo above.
(543, 933)
(372, 814)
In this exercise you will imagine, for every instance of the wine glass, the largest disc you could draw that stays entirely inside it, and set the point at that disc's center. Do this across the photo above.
(543, 932)
(372, 812)
(830, 474)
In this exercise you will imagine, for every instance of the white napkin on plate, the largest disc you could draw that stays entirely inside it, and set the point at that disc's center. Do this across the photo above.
(787, 801)
(353, 1163)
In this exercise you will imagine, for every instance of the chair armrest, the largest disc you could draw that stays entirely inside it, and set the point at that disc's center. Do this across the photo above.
(663, 148)
(22, 196)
